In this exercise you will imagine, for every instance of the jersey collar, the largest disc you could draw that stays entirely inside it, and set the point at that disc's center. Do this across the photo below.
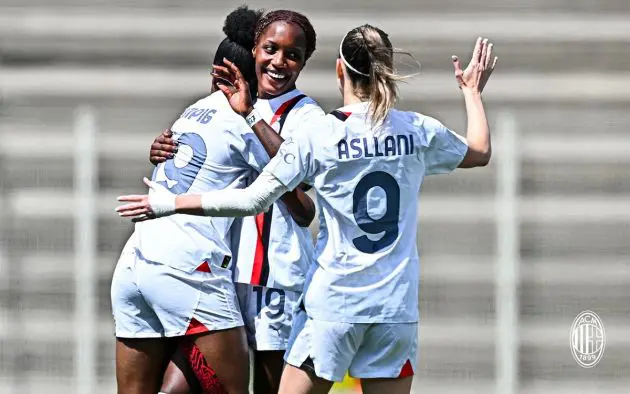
(355, 108)
(276, 102)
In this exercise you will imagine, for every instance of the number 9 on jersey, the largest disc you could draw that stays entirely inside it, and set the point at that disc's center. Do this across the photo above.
(387, 224)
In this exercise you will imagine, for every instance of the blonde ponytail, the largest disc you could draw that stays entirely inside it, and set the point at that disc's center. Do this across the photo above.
(368, 55)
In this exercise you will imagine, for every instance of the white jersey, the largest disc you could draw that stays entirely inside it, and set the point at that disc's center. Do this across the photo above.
(273, 250)
(367, 186)
(217, 150)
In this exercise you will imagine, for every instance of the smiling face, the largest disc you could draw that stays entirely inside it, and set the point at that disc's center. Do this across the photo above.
(280, 56)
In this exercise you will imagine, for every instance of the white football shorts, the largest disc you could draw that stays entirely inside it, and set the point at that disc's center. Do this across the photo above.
(152, 300)
(268, 315)
(364, 350)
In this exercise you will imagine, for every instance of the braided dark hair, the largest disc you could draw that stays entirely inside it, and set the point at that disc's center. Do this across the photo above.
(289, 17)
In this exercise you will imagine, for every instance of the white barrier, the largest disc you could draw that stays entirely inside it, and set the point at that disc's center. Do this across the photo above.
(508, 256)
(85, 221)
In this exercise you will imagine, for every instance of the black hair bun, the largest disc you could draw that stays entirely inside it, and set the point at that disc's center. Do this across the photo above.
(240, 26)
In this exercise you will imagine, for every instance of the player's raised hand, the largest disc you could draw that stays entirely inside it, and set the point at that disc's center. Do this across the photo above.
(478, 71)
(163, 148)
(141, 207)
(238, 93)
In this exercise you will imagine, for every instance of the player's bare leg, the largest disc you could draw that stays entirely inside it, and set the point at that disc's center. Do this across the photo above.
(140, 365)
(268, 367)
(227, 353)
(389, 386)
(179, 377)
(297, 381)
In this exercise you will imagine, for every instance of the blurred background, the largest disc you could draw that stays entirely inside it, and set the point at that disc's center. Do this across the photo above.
(511, 253)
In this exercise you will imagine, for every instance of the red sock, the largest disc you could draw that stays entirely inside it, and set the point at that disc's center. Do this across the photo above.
(208, 379)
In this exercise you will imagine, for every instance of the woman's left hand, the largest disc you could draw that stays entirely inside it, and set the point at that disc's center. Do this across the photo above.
(141, 207)
(238, 93)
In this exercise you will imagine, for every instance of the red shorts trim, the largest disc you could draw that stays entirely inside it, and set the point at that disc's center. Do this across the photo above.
(406, 371)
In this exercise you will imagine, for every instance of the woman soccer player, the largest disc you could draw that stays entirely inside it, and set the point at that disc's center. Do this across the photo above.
(274, 250)
(173, 278)
(366, 161)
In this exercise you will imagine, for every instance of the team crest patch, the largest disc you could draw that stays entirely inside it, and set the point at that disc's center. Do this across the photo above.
(587, 339)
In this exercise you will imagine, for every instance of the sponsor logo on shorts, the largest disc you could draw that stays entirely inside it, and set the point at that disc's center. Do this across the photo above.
(587, 339)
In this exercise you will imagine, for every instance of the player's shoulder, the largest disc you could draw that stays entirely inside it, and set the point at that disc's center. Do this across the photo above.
(416, 122)
(306, 106)
(213, 117)
(224, 111)
(309, 104)
(217, 101)
(309, 131)
(211, 101)
(305, 112)
(320, 131)
(206, 100)
(412, 118)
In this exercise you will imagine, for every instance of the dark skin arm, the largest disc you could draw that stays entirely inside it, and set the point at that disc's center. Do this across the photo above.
(163, 148)
(300, 206)
(268, 137)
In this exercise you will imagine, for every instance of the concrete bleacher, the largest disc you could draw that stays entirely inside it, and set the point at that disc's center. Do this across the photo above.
(563, 75)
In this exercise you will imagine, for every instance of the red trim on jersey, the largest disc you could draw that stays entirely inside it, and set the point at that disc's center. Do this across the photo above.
(406, 371)
(342, 116)
(260, 267)
(204, 267)
(281, 109)
(195, 327)
(259, 257)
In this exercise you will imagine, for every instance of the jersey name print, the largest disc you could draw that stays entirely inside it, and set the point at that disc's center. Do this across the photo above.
(392, 145)
(201, 115)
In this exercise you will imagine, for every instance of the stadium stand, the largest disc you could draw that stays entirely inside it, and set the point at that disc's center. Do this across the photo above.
(563, 75)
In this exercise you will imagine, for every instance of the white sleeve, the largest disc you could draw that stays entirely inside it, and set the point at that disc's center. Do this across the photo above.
(296, 160)
(443, 149)
(305, 114)
(256, 198)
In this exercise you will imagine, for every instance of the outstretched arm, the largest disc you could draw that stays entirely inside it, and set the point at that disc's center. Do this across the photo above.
(299, 204)
(471, 81)
(256, 198)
